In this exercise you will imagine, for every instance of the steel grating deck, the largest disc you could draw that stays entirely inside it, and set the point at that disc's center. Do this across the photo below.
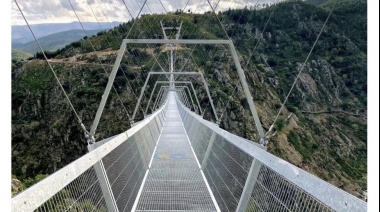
(175, 181)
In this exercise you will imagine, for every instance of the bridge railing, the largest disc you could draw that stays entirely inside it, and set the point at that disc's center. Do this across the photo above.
(108, 178)
(244, 177)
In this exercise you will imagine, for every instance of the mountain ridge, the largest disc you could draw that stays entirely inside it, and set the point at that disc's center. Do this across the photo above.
(41, 30)
(54, 41)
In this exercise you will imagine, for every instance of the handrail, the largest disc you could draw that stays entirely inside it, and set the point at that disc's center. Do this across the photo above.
(292, 184)
(41, 192)
(326, 193)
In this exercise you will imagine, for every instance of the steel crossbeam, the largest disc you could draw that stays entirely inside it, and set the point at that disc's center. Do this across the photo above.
(174, 73)
(189, 42)
(176, 82)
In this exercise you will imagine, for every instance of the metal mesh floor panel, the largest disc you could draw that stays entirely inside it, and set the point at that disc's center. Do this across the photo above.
(174, 182)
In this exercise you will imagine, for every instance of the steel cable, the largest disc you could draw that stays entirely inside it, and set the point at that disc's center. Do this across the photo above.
(55, 75)
(302, 68)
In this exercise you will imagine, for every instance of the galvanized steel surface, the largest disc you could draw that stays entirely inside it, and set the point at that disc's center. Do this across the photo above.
(280, 186)
(174, 182)
(177, 141)
(76, 187)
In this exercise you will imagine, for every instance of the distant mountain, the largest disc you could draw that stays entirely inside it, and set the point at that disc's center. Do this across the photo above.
(40, 30)
(52, 42)
(22, 40)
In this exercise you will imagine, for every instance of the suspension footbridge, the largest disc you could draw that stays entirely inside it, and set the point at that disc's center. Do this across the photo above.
(175, 160)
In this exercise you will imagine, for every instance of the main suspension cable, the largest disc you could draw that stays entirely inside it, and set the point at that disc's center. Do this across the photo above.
(97, 56)
(134, 23)
(302, 68)
(55, 75)
(109, 44)
(213, 10)
(265, 27)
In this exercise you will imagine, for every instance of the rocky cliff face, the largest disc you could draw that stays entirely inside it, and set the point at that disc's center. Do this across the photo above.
(322, 129)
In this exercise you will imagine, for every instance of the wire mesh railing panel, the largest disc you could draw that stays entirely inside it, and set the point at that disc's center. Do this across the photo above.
(199, 135)
(158, 122)
(162, 118)
(82, 194)
(130, 188)
(273, 192)
(219, 194)
(269, 184)
(115, 162)
(235, 161)
(109, 176)
(155, 130)
(201, 141)
(127, 164)
(227, 169)
(145, 143)
(187, 122)
(121, 174)
(191, 129)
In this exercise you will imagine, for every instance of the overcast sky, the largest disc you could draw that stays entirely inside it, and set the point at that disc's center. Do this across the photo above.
(60, 11)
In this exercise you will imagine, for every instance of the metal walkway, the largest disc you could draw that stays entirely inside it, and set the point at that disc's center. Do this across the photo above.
(155, 166)
(175, 181)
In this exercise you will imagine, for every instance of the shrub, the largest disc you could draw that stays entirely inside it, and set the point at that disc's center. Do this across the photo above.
(279, 124)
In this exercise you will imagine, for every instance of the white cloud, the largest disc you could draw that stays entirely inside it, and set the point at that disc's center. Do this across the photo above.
(60, 11)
